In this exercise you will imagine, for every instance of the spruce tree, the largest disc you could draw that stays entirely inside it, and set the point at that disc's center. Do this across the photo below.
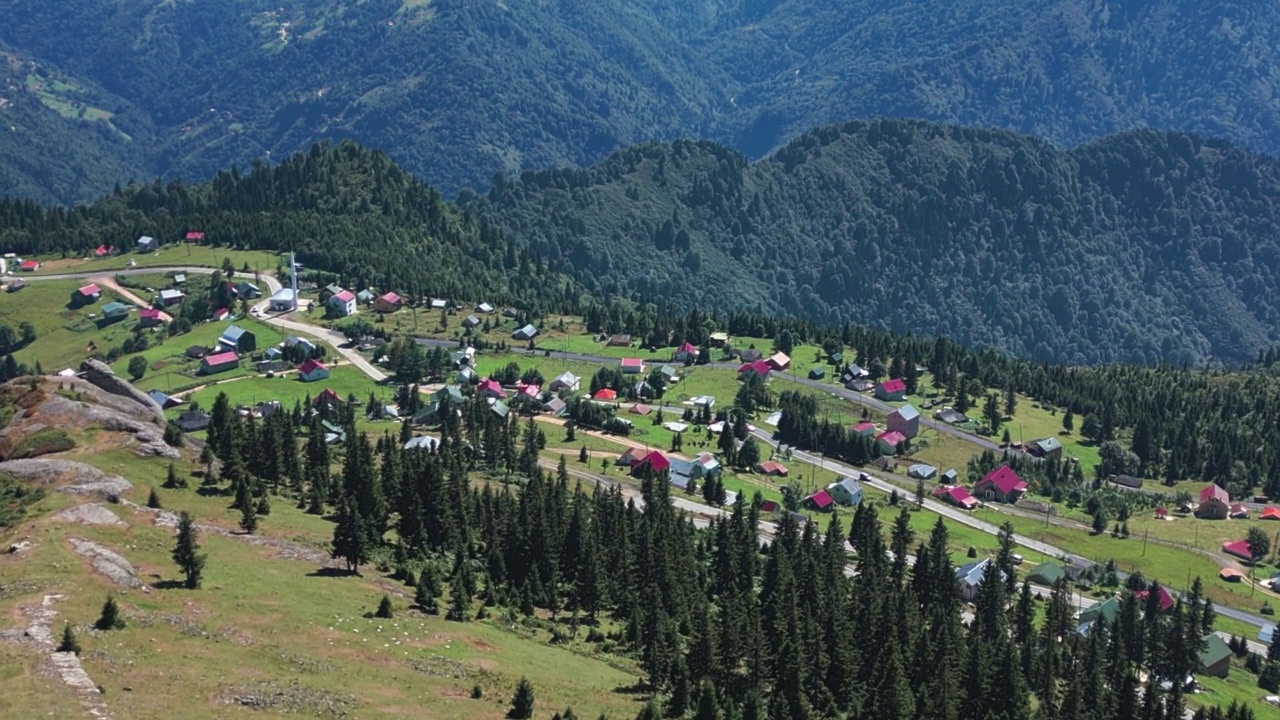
(69, 643)
(153, 499)
(248, 512)
(186, 552)
(522, 701)
(384, 608)
(349, 539)
(426, 592)
(110, 618)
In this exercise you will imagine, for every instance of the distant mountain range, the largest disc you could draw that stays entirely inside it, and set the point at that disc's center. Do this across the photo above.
(96, 91)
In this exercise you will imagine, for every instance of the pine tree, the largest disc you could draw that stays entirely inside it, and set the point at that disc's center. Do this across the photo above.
(349, 541)
(582, 455)
(384, 608)
(153, 499)
(69, 643)
(1068, 421)
(172, 481)
(110, 618)
(991, 413)
(186, 552)
(522, 701)
(427, 591)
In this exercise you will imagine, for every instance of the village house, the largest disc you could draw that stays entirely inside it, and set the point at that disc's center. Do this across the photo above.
(466, 376)
(970, 577)
(779, 361)
(103, 251)
(193, 421)
(295, 341)
(619, 340)
(164, 401)
(820, 501)
(1046, 574)
(490, 388)
(149, 317)
(605, 395)
(423, 442)
(1103, 611)
(750, 355)
(484, 307)
(247, 290)
(905, 420)
(1215, 503)
(859, 385)
(686, 353)
(29, 265)
(1126, 481)
(221, 362)
(759, 367)
(817, 373)
(1215, 658)
(950, 416)
(955, 495)
(864, 428)
(719, 339)
(528, 332)
(194, 236)
(1001, 485)
(312, 370)
(439, 303)
(461, 358)
(88, 294)
(1238, 548)
(499, 408)
(388, 302)
(170, 297)
(343, 304)
(366, 296)
(772, 469)
(891, 390)
(147, 244)
(1165, 601)
(1046, 448)
(889, 440)
(238, 339)
(632, 366)
(566, 381)
(471, 321)
(922, 471)
(555, 407)
(113, 311)
(653, 462)
(846, 491)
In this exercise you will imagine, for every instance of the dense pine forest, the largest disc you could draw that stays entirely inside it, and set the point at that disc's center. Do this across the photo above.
(723, 624)
(1141, 247)
(456, 90)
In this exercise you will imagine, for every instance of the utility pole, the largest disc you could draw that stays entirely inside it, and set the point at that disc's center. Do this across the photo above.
(1144, 541)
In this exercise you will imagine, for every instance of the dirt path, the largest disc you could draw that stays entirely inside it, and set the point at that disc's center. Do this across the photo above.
(108, 281)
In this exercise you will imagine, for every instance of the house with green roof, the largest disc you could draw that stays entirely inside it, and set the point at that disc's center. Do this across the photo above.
(1101, 611)
(1047, 574)
(1215, 658)
(113, 311)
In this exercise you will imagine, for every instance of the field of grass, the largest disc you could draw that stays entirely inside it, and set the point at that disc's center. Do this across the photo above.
(169, 368)
(343, 379)
(272, 627)
(172, 254)
(65, 334)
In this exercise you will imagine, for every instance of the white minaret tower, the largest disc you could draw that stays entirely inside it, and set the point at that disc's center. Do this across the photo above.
(293, 281)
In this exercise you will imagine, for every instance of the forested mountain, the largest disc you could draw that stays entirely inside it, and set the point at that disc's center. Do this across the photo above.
(456, 89)
(1143, 246)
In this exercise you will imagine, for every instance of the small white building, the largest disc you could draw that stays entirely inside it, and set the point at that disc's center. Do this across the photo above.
(283, 301)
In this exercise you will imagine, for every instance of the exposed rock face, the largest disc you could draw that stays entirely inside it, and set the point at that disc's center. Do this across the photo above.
(101, 375)
(75, 478)
(108, 562)
(90, 514)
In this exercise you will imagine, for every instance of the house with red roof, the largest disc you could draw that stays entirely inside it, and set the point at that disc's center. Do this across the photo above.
(29, 265)
(103, 251)
(889, 440)
(759, 367)
(865, 428)
(342, 304)
(490, 388)
(388, 303)
(327, 398)
(1239, 548)
(221, 362)
(1238, 511)
(88, 294)
(1270, 513)
(891, 390)
(654, 462)
(770, 507)
(769, 467)
(1215, 503)
(779, 361)
(195, 236)
(1166, 599)
(312, 370)
(149, 317)
(687, 352)
(632, 366)
(533, 391)
(605, 394)
(820, 501)
(956, 495)
(1002, 485)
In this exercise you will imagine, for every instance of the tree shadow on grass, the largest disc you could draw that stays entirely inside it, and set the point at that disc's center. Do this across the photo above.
(170, 585)
(637, 688)
(332, 572)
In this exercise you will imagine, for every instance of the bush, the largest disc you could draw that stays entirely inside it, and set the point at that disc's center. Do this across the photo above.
(477, 692)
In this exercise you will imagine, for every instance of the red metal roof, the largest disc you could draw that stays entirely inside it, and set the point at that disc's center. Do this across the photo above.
(1215, 492)
(606, 394)
(311, 365)
(1239, 548)
(632, 362)
(1005, 479)
(956, 494)
(893, 385)
(103, 250)
(769, 467)
(892, 437)
(1166, 600)
(30, 264)
(89, 290)
(760, 367)
(345, 296)
(221, 358)
(687, 348)
(149, 314)
(1270, 513)
(821, 499)
(489, 385)
(530, 390)
(391, 297)
(655, 460)
(195, 235)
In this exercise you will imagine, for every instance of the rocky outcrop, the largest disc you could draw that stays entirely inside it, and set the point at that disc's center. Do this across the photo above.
(101, 375)
(75, 478)
(89, 514)
(55, 406)
(108, 562)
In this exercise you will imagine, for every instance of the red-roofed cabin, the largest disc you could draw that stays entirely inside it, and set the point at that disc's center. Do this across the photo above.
(532, 391)
(490, 388)
(892, 389)
(889, 441)
(1215, 503)
(632, 366)
(1239, 548)
(88, 294)
(1270, 513)
(759, 367)
(769, 467)
(1002, 485)
(148, 317)
(770, 507)
(865, 429)
(195, 236)
(779, 361)
(607, 394)
(821, 501)
(654, 462)
(29, 266)
(219, 363)
(956, 495)
(1231, 574)
(388, 303)
(312, 370)
(1161, 513)
(1238, 511)
(1166, 600)
(103, 250)
(327, 397)
(686, 353)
